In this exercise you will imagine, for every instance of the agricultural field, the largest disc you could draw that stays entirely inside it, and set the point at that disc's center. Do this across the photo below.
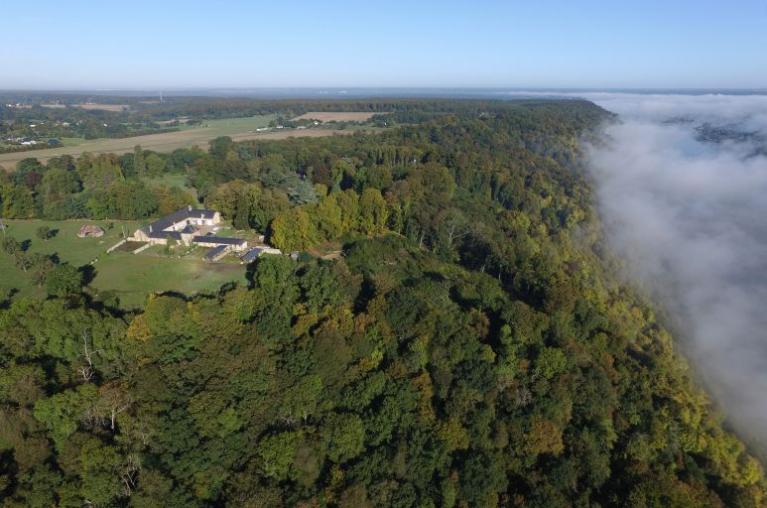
(239, 129)
(115, 108)
(130, 276)
(337, 116)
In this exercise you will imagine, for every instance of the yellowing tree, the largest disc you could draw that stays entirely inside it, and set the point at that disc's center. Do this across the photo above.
(373, 212)
(294, 230)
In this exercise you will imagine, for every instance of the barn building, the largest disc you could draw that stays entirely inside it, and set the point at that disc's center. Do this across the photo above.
(181, 226)
(191, 227)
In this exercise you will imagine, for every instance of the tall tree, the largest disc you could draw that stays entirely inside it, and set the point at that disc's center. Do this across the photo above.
(139, 164)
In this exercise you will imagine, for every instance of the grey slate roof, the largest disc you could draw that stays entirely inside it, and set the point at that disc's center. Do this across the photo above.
(162, 223)
(213, 253)
(175, 235)
(218, 240)
(251, 255)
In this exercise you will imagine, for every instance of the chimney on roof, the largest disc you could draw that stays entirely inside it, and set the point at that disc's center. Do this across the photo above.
(150, 228)
(189, 207)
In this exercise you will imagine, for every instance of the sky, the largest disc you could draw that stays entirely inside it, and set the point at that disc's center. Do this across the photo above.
(174, 44)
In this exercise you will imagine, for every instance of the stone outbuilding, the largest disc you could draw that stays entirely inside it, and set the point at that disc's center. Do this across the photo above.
(90, 231)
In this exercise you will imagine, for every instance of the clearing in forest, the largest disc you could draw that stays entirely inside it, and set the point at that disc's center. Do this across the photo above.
(129, 276)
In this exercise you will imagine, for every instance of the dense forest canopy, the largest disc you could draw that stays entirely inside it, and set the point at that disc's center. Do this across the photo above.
(470, 347)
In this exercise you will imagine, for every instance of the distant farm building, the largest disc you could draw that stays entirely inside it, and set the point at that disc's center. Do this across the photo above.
(90, 231)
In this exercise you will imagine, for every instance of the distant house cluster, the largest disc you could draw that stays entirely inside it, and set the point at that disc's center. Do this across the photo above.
(19, 140)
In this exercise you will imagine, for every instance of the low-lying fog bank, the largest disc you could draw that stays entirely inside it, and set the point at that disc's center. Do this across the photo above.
(682, 189)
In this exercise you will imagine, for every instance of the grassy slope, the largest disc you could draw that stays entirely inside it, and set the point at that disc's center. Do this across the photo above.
(131, 276)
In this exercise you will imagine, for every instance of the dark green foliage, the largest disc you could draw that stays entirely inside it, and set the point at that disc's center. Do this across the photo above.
(469, 348)
(64, 280)
(45, 233)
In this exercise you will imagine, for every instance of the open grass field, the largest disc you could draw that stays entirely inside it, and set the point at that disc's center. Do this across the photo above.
(180, 180)
(239, 129)
(131, 276)
(336, 116)
(169, 180)
(103, 107)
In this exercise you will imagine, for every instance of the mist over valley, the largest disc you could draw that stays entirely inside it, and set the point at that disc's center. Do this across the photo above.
(682, 189)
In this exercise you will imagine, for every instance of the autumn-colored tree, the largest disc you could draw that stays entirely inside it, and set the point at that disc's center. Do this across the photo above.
(373, 212)
(293, 230)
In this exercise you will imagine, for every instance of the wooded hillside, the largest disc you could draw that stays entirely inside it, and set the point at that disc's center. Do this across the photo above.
(469, 348)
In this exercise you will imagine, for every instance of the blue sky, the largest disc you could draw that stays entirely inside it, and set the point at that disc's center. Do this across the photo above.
(579, 43)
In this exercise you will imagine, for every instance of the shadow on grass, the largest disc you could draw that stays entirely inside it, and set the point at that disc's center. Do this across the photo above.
(6, 295)
(88, 273)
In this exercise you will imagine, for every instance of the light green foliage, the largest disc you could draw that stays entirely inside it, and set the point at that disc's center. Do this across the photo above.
(17, 202)
(277, 452)
(155, 165)
(63, 412)
(550, 362)
(329, 217)
(345, 434)
(373, 212)
(294, 230)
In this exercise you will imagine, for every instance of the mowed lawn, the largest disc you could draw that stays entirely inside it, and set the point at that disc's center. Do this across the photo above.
(131, 276)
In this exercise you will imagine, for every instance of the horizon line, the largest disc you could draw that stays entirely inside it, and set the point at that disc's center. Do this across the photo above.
(374, 87)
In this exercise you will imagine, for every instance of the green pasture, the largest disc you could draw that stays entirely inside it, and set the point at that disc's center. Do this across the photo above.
(131, 276)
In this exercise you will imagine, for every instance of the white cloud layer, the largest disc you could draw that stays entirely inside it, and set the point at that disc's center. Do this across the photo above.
(690, 217)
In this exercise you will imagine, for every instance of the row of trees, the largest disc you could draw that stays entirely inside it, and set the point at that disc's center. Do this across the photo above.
(95, 186)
